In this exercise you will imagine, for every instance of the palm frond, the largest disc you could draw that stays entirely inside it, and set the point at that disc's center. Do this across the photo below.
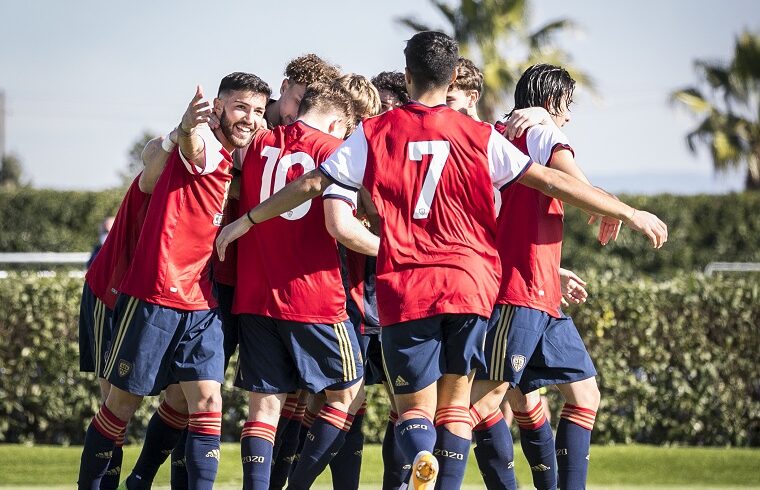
(413, 24)
(545, 34)
(692, 99)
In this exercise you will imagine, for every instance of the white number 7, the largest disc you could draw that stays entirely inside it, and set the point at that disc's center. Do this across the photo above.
(440, 151)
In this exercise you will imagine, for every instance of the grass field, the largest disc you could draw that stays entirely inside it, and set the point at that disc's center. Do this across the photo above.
(612, 467)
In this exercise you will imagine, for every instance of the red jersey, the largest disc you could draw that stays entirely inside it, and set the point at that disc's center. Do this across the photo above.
(288, 267)
(529, 236)
(117, 253)
(430, 172)
(185, 212)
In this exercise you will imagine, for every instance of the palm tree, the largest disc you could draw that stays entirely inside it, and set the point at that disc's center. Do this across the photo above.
(488, 29)
(730, 109)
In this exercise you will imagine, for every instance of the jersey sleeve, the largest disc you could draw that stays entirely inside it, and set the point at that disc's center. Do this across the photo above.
(543, 140)
(335, 191)
(211, 156)
(505, 162)
(346, 166)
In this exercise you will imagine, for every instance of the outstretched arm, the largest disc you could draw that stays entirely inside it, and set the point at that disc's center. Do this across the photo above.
(346, 229)
(294, 194)
(572, 191)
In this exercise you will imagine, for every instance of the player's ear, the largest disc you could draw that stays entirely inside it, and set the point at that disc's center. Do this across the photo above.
(218, 105)
(284, 86)
(407, 78)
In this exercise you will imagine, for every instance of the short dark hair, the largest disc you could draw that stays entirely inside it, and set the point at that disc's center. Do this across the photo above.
(310, 68)
(469, 77)
(431, 58)
(392, 81)
(326, 97)
(546, 86)
(247, 82)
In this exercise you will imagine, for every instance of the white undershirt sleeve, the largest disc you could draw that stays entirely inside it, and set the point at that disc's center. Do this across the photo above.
(505, 162)
(211, 156)
(542, 140)
(335, 191)
(347, 164)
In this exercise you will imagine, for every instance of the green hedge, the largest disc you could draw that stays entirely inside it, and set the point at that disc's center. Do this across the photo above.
(703, 229)
(678, 363)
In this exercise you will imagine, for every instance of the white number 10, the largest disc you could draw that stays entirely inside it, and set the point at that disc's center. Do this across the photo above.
(440, 151)
(271, 153)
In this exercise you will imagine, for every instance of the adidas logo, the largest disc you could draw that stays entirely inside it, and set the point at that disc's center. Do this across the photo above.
(179, 462)
(540, 467)
(166, 452)
(400, 381)
(104, 455)
(114, 471)
(214, 453)
(511, 465)
(358, 453)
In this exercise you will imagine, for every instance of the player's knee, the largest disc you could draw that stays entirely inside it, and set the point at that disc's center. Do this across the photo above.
(207, 402)
(175, 398)
(122, 404)
(263, 408)
(520, 402)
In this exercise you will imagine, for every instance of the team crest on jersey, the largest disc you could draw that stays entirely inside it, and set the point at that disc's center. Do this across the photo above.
(218, 219)
(518, 362)
(124, 367)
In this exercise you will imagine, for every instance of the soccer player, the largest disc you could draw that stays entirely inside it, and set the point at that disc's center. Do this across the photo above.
(299, 74)
(429, 171)
(103, 277)
(168, 327)
(293, 329)
(392, 89)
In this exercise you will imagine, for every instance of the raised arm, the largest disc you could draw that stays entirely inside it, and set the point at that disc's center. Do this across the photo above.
(154, 157)
(191, 145)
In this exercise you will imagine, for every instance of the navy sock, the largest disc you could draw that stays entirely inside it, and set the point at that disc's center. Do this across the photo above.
(394, 463)
(537, 442)
(202, 451)
(303, 431)
(346, 466)
(110, 480)
(495, 452)
(283, 461)
(415, 435)
(179, 470)
(164, 430)
(323, 441)
(451, 451)
(256, 446)
(573, 446)
(99, 443)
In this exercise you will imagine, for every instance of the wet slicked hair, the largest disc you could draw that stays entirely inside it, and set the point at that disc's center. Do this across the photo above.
(239, 81)
(364, 95)
(545, 86)
(310, 68)
(431, 58)
(392, 81)
(324, 97)
(469, 77)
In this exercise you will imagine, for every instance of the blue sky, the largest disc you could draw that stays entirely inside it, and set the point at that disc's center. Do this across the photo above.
(83, 79)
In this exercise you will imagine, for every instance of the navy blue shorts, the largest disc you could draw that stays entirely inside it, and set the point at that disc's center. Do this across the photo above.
(373, 359)
(230, 321)
(155, 346)
(418, 352)
(94, 332)
(530, 349)
(279, 356)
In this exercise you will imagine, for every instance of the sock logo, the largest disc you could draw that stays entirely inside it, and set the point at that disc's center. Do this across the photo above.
(540, 467)
(179, 462)
(413, 426)
(116, 471)
(310, 436)
(518, 362)
(400, 381)
(588, 457)
(214, 453)
(289, 459)
(406, 467)
(124, 367)
(448, 454)
(166, 452)
(511, 465)
(358, 453)
(253, 459)
(561, 452)
(104, 455)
